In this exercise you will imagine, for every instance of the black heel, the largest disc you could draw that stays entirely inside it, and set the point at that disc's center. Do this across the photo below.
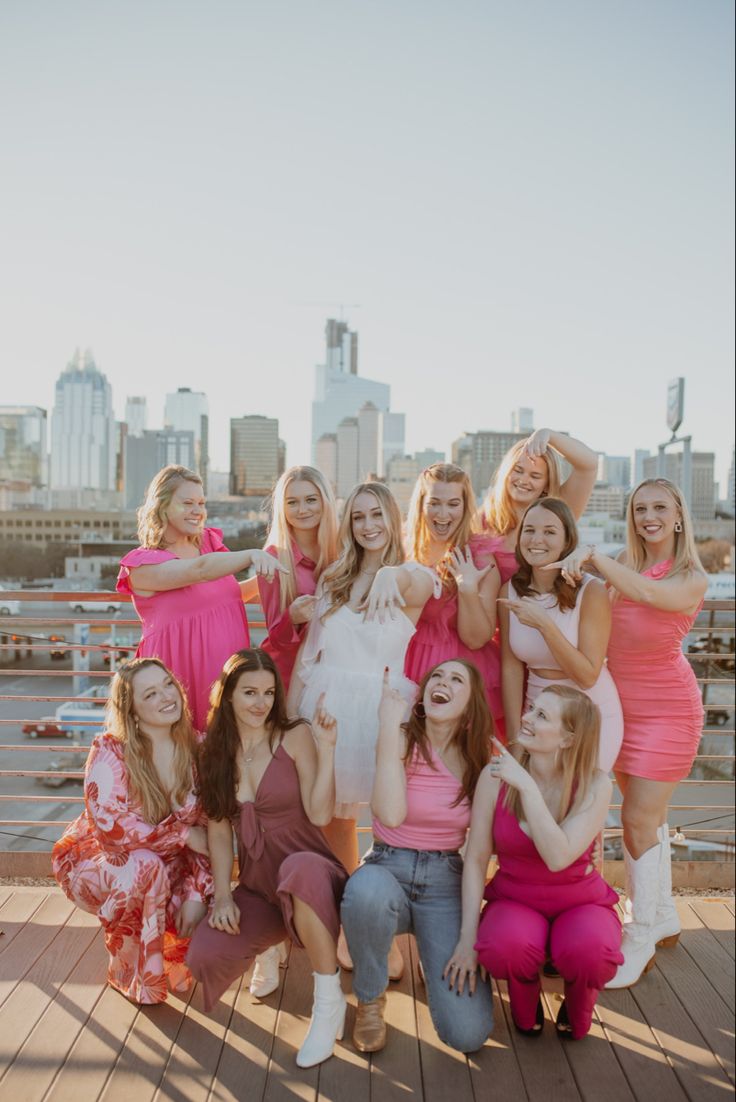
(562, 1023)
(536, 1030)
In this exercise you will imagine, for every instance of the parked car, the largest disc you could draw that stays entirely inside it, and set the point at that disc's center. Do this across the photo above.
(8, 607)
(715, 716)
(45, 727)
(95, 606)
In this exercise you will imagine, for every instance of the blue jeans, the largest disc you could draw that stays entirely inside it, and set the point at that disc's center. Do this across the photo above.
(401, 891)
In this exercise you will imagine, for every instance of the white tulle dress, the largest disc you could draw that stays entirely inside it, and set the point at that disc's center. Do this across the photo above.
(344, 656)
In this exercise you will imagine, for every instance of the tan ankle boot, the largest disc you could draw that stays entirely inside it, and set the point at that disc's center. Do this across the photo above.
(369, 1034)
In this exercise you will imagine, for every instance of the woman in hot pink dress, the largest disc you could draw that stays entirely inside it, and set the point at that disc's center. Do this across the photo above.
(460, 622)
(658, 586)
(136, 856)
(182, 585)
(303, 536)
(528, 471)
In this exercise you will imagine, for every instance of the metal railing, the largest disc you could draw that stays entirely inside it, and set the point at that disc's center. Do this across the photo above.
(701, 811)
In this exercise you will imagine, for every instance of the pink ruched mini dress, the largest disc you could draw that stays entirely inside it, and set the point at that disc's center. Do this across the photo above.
(281, 855)
(663, 711)
(436, 639)
(193, 629)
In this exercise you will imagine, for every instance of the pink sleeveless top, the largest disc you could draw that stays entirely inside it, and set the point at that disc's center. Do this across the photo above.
(528, 644)
(431, 821)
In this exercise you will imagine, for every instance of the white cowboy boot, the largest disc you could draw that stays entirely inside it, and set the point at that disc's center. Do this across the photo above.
(637, 944)
(666, 923)
(265, 978)
(327, 1023)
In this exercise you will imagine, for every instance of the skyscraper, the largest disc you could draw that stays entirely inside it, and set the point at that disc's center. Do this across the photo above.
(339, 391)
(703, 503)
(146, 454)
(187, 410)
(255, 454)
(23, 444)
(83, 442)
(135, 415)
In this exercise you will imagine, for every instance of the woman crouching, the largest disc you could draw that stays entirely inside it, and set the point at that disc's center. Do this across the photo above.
(272, 781)
(410, 881)
(542, 815)
(136, 856)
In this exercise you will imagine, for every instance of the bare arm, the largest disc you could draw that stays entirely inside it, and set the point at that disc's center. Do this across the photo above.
(512, 675)
(683, 593)
(477, 589)
(388, 799)
(225, 914)
(576, 488)
(175, 573)
(314, 758)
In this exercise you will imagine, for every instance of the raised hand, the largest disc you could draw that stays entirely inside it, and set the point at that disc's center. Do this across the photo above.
(572, 567)
(324, 725)
(467, 575)
(266, 566)
(301, 609)
(537, 443)
(506, 768)
(527, 611)
(392, 708)
(384, 596)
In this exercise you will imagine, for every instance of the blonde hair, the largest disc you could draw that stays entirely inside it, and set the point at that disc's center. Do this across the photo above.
(417, 529)
(143, 778)
(581, 719)
(497, 512)
(339, 578)
(152, 519)
(279, 534)
(686, 557)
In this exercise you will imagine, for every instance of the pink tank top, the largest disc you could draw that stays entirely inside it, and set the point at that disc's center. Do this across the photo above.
(431, 821)
(528, 643)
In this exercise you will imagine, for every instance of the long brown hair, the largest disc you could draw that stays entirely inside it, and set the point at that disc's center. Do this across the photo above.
(417, 530)
(581, 718)
(498, 512)
(143, 778)
(219, 776)
(565, 594)
(152, 519)
(471, 737)
(339, 578)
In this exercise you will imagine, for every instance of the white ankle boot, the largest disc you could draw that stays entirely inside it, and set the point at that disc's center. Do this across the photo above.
(638, 945)
(265, 978)
(666, 923)
(327, 1023)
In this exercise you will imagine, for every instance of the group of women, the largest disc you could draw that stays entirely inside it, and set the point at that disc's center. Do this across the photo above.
(474, 679)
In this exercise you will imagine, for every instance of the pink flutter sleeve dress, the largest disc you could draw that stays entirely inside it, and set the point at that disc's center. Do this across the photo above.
(436, 640)
(285, 637)
(134, 875)
(193, 629)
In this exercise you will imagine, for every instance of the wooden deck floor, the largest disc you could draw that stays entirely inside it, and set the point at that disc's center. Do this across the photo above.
(64, 1035)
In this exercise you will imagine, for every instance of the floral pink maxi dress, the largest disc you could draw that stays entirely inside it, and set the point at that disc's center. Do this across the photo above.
(134, 875)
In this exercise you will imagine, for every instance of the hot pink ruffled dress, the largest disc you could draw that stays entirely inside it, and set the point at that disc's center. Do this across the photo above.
(436, 639)
(194, 629)
(663, 711)
(284, 637)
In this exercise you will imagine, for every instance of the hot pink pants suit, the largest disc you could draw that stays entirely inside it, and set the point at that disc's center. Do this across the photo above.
(532, 913)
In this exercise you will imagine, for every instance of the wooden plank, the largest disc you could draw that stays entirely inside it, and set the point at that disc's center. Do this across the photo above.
(709, 1013)
(140, 1065)
(445, 1072)
(396, 1071)
(494, 1070)
(246, 1052)
(544, 1069)
(713, 914)
(197, 1048)
(285, 1080)
(55, 1033)
(37, 988)
(647, 1070)
(710, 956)
(31, 941)
(347, 1075)
(699, 1072)
(17, 909)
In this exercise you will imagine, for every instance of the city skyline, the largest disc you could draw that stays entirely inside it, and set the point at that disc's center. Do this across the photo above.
(533, 206)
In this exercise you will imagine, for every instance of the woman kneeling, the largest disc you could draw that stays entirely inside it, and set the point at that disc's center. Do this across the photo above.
(542, 815)
(136, 856)
(426, 773)
(273, 781)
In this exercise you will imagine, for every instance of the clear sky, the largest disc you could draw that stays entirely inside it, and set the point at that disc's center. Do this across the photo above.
(520, 203)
